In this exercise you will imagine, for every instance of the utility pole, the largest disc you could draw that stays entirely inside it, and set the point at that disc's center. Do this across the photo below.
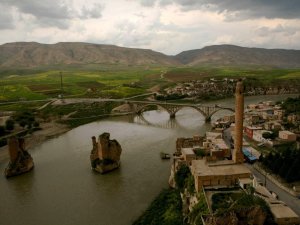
(61, 84)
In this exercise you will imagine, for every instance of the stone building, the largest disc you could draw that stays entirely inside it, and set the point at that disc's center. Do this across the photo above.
(218, 174)
(287, 135)
(195, 141)
(224, 173)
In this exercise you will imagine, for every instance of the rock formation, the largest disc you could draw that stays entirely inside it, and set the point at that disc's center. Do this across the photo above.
(20, 160)
(105, 155)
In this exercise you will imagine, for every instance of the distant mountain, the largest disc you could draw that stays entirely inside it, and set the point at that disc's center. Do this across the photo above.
(33, 55)
(230, 55)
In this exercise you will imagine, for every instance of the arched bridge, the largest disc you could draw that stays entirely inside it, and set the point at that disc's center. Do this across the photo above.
(139, 107)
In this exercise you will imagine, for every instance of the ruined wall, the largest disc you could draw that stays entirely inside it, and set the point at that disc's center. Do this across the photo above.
(106, 153)
(20, 160)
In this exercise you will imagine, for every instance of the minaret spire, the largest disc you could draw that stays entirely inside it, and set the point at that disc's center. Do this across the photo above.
(237, 155)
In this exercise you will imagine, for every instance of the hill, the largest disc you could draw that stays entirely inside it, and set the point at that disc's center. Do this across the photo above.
(32, 54)
(230, 55)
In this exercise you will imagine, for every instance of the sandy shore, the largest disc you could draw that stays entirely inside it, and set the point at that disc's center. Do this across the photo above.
(49, 130)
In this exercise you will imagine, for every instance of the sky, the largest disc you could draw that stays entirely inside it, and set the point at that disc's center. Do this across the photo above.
(167, 26)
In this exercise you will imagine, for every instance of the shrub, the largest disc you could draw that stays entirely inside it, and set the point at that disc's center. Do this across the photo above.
(2, 130)
(10, 124)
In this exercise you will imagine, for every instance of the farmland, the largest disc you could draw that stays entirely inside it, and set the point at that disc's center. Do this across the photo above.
(120, 82)
(76, 83)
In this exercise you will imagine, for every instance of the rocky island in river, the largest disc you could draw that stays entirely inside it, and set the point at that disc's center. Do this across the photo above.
(105, 155)
(20, 160)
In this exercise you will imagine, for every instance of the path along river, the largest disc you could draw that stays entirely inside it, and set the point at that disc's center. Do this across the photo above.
(63, 190)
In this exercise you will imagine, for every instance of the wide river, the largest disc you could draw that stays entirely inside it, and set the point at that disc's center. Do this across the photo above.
(63, 190)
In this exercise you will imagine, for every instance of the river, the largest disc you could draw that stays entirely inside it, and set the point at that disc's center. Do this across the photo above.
(63, 190)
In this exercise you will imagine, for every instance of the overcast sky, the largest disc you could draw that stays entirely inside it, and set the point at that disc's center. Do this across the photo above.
(168, 26)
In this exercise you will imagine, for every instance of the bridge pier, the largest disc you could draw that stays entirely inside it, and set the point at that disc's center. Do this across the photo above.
(207, 119)
(172, 115)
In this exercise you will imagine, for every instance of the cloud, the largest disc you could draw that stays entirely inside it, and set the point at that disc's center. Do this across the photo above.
(6, 18)
(54, 13)
(239, 9)
(93, 12)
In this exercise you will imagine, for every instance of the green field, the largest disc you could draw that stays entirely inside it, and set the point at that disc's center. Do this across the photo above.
(119, 82)
(111, 83)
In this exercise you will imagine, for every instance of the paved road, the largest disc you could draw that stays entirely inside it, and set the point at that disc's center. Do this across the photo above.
(290, 200)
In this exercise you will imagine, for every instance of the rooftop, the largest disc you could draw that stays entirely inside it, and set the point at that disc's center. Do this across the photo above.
(282, 211)
(187, 151)
(222, 168)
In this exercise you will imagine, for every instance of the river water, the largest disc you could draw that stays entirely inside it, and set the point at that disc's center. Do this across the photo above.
(63, 190)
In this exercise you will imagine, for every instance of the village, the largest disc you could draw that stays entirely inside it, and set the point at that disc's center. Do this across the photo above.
(222, 163)
(219, 88)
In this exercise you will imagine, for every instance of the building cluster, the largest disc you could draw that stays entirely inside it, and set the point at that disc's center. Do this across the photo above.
(196, 88)
(221, 88)
(216, 165)
(215, 170)
(266, 123)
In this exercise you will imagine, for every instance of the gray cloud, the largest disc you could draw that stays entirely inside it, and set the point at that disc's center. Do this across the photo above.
(6, 18)
(147, 3)
(240, 9)
(53, 13)
(94, 12)
(280, 29)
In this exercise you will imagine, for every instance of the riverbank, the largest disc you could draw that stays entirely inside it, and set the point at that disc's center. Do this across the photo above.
(48, 130)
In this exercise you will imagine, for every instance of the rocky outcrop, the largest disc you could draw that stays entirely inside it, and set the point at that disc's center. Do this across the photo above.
(20, 160)
(105, 155)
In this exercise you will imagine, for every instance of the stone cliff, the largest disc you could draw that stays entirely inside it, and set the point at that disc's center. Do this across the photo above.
(105, 155)
(20, 160)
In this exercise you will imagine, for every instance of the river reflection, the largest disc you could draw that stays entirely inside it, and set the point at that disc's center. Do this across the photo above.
(62, 189)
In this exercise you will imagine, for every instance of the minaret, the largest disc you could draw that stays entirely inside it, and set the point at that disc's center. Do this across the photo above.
(237, 155)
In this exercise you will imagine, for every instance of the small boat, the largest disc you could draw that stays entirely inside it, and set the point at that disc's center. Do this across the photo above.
(165, 155)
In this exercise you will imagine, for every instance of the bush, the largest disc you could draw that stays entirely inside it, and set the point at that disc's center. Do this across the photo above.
(165, 209)
(181, 177)
(10, 125)
(36, 124)
(2, 131)
(3, 142)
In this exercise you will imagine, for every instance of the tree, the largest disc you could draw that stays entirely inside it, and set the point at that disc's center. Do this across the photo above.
(10, 124)
(36, 124)
(2, 130)
(22, 123)
(181, 175)
(293, 174)
(267, 135)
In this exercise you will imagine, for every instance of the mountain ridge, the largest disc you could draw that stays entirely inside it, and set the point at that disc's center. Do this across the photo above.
(34, 54)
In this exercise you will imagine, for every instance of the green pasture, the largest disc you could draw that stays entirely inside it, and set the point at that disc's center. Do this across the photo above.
(95, 83)
(119, 82)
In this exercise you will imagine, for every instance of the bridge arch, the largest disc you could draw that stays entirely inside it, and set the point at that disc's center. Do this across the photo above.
(193, 107)
(141, 109)
(208, 118)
